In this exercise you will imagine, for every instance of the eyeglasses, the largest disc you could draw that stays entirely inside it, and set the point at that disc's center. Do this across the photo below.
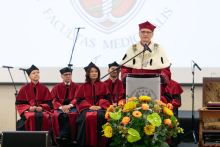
(145, 32)
(35, 73)
(67, 75)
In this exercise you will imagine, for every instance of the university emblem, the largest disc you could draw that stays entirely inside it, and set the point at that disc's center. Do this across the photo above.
(107, 15)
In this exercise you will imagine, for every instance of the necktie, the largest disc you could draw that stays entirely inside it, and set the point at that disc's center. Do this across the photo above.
(36, 102)
(67, 92)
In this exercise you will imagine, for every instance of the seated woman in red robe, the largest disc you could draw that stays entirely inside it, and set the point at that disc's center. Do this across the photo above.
(34, 104)
(92, 100)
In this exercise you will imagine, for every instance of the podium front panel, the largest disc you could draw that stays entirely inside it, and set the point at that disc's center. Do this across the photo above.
(135, 87)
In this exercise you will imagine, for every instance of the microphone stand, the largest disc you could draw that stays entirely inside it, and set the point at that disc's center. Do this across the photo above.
(16, 92)
(192, 89)
(118, 69)
(70, 65)
(24, 73)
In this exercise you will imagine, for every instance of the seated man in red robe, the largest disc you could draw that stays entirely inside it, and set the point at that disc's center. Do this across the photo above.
(65, 113)
(155, 62)
(34, 104)
(112, 85)
(92, 100)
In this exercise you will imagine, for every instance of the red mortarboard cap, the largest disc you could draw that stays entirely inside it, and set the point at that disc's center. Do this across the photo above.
(147, 25)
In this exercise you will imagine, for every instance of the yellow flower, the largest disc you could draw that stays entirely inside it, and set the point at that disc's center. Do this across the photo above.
(129, 106)
(145, 106)
(132, 99)
(137, 114)
(155, 106)
(167, 111)
(105, 124)
(108, 132)
(144, 99)
(160, 103)
(149, 129)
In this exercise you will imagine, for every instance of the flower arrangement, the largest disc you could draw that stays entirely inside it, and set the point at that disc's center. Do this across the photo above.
(140, 123)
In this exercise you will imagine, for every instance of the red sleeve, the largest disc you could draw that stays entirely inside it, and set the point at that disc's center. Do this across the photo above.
(81, 102)
(176, 103)
(56, 102)
(22, 97)
(125, 71)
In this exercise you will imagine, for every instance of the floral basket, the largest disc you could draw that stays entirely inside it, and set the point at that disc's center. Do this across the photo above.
(141, 123)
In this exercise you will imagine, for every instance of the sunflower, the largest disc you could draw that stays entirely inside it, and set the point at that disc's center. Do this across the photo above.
(108, 132)
(137, 114)
(167, 111)
(129, 106)
(160, 103)
(132, 99)
(149, 129)
(144, 99)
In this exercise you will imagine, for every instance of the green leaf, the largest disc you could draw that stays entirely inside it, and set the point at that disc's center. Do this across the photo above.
(114, 143)
(154, 119)
(134, 135)
(164, 144)
(115, 116)
(173, 118)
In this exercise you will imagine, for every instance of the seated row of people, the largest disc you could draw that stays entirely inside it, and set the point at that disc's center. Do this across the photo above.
(70, 107)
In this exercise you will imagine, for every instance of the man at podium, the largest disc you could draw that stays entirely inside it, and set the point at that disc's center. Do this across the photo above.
(154, 62)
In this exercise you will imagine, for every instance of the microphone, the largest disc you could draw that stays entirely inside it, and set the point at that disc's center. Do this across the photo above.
(6, 66)
(197, 65)
(147, 47)
(80, 28)
(22, 69)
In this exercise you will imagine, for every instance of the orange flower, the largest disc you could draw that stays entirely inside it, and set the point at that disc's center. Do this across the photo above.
(132, 99)
(160, 103)
(170, 106)
(107, 115)
(145, 106)
(167, 121)
(137, 114)
(125, 120)
(121, 103)
(110, 109)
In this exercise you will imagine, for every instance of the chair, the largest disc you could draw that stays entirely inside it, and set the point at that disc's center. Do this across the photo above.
(211, 92)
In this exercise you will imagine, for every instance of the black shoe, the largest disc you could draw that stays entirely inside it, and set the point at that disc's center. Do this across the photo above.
(59, 140)
(65, 142)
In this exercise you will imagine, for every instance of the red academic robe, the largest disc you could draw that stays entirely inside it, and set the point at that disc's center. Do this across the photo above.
(166, 72)
(113, 92)
(175, 91)
(34, 121)
(59, 119)
(90, 122)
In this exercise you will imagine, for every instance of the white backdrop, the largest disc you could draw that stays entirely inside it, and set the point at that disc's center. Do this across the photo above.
(41, 32)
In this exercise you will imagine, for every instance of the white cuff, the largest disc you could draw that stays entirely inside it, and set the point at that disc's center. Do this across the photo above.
(71, 105)
(60, 107)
